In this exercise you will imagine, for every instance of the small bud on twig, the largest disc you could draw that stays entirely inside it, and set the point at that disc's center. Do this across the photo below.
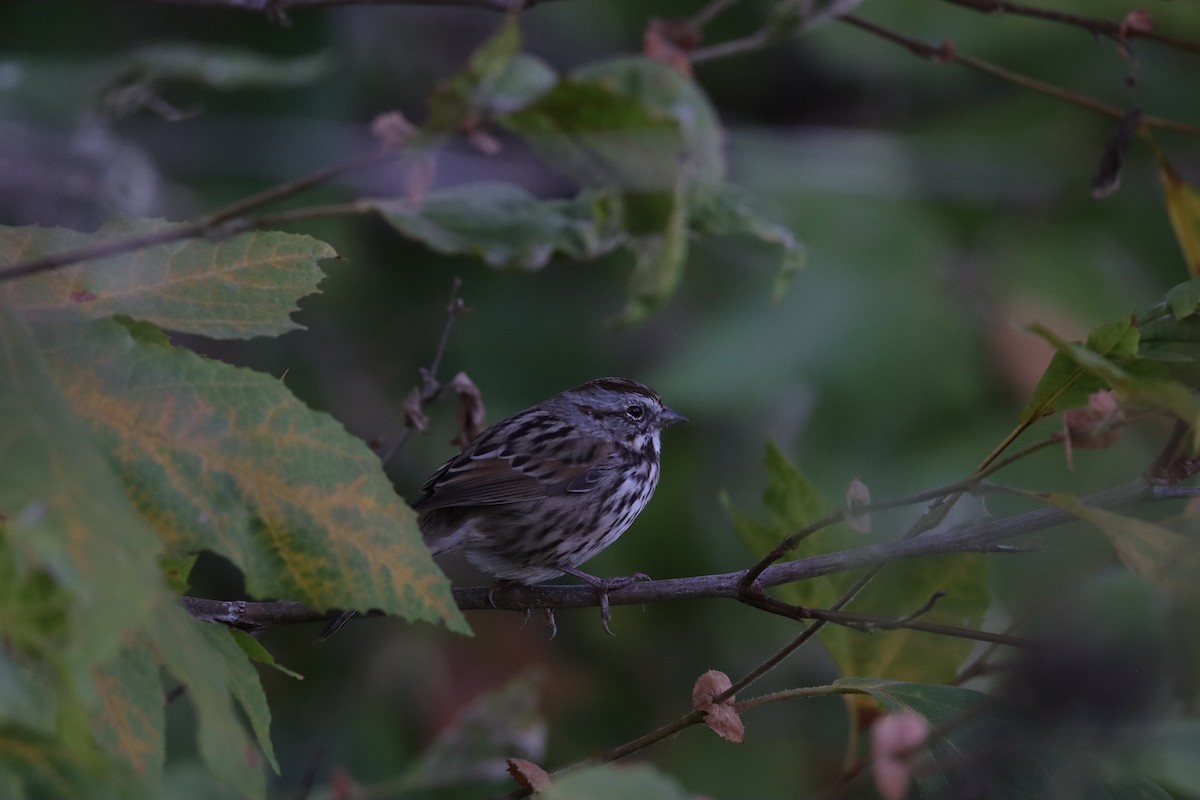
(857, 495)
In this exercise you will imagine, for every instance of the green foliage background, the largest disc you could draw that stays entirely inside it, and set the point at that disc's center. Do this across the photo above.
(938, 209)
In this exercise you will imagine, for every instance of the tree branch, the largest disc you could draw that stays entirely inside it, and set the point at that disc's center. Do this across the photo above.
(977, 538)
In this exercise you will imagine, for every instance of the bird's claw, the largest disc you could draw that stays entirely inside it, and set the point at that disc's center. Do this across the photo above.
(606, 585)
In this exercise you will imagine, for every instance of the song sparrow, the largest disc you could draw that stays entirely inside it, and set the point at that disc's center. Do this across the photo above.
(541, 492)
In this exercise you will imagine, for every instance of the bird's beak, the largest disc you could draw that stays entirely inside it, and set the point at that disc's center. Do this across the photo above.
(668, 418)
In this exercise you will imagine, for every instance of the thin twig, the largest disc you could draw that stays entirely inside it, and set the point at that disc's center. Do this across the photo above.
(1098, 27)
(946, 53)
(745, 44)
(797, 693)
(276, 8)
(711, 10)
(867, 623)
(293, 187)
(225, 221)
(989, 466)
(430, 388)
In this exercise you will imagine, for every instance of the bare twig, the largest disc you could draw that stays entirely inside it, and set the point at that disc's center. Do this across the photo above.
(867, 623)
(945, 53)
(710, 11)
(275, 8)
(430, 388)
(1096, 26)
(223, 222)
(990, 465)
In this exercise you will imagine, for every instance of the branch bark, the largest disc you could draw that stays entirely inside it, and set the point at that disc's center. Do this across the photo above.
(978, 538)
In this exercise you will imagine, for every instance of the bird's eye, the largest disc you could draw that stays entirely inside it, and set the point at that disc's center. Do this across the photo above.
(635, 411)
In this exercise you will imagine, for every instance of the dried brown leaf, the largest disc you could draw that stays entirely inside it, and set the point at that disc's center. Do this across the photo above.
(393, 130)
(414, 412)
(1138, 20)
(1108, 174)
(471, 412)
(528, 774)
(721, 717)
(1097, 425)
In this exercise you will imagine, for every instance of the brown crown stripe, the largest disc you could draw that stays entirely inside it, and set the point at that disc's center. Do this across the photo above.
(622, 385)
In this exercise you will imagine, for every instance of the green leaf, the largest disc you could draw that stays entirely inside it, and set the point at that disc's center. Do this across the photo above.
(630, 123)
(1168, 755)
(254, 649)
(967, 718)
(610, 781)
(1167, 559)
(464, 98)
(732, 211)
(1068, 380)
(905, 586)
(66, 515)
(142, 75)
(502, 724)
(791, 497)
(27, 698)
(506, 226)
(225, 459)
(35, 611)
(37, 767)
(240, 287)
(524, 80)
(1140, 384)
(641, 128)
(902, 589)
(221, 68)
(176, 570)
(129, 720)
(1183, 299)
(244, 684)
(758, 537)
(659, 256)
(191, 656)
(976, 739)
(1170, 333)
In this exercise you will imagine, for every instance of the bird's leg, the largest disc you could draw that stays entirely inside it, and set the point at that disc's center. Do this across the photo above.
(548, 613)
(604, 586)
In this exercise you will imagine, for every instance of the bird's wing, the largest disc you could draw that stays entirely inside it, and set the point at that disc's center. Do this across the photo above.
(472, 480)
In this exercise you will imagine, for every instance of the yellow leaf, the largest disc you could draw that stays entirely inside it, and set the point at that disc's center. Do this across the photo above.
(1183, 207)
